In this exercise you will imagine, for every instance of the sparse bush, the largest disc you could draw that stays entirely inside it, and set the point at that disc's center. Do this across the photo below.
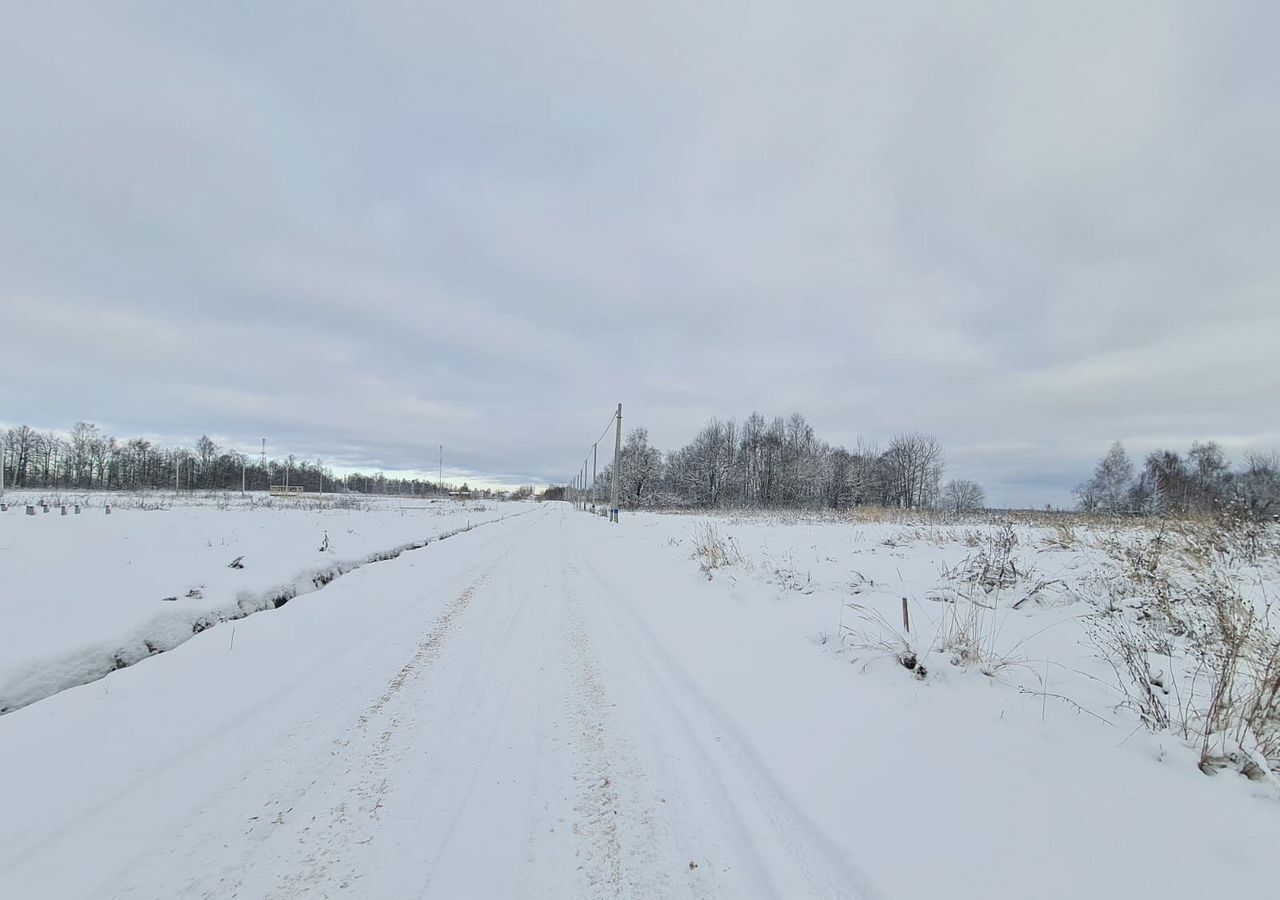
(712, 550)
(786, 575)
(993, 566)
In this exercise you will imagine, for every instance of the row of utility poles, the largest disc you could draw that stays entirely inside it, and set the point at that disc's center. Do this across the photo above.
(244, 471)
(581, 491)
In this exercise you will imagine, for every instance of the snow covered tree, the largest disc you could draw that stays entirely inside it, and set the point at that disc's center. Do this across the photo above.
(1108, 489)
(1257, 488)
(699, 472)
(640, 471)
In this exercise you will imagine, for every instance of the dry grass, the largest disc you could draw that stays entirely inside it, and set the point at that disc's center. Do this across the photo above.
(712, 550)
(872, 631)
(1190, 651)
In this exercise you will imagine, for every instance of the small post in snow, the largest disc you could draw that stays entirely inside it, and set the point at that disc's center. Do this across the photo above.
(906, 617)
(108, 509)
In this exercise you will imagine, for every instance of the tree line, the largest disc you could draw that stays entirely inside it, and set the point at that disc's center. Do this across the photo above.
(761, 463)
(88, 459)
(1169, 483)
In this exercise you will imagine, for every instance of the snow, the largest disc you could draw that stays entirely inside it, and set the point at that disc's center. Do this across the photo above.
(552, 706)
(86, 594)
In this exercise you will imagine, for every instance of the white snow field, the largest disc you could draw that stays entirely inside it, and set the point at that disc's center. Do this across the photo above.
(555, 707)
(85, 594)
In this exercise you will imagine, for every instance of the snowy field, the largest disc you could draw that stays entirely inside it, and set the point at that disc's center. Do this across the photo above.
(85, 594)
(677, 706)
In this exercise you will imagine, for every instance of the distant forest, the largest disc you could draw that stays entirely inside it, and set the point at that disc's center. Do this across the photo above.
(761, 463)
(1168, 483)
(758, 463)
(764, 463)
(87, 459)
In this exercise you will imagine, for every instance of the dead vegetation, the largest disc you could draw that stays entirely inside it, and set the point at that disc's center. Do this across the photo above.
(1191, 636)
(713, 550)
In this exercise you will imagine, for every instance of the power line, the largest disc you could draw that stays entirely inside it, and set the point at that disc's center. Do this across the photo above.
(583, 493)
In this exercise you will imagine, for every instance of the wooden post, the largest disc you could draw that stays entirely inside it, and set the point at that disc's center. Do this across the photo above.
(108, 509)
(906, 618)
(31, 510)
(64, 509)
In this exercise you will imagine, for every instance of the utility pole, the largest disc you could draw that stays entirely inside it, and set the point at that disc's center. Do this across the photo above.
(617, 463)
(266, 473)
(440, 472)
(595, 453)
(244, 465)
(320, 470)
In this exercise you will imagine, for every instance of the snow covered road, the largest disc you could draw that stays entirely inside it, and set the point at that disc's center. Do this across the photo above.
(492, 719)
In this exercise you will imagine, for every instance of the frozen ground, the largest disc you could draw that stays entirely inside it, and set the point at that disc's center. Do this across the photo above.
(86, 594)
(554, 707)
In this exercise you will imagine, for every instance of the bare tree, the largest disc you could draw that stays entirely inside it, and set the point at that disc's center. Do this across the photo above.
(913, 465)
(962, 495)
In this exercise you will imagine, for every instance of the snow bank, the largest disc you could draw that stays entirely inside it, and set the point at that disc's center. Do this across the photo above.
(88, 594)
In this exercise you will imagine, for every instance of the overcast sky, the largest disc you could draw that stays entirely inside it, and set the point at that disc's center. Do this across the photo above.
(364, 229)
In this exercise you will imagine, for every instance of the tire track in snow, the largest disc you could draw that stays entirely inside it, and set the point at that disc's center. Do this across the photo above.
(732, 778)
(625, 846)
(354, 818)
(596, 805)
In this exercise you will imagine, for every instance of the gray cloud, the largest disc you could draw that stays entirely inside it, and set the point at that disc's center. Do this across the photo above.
(365, 229)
